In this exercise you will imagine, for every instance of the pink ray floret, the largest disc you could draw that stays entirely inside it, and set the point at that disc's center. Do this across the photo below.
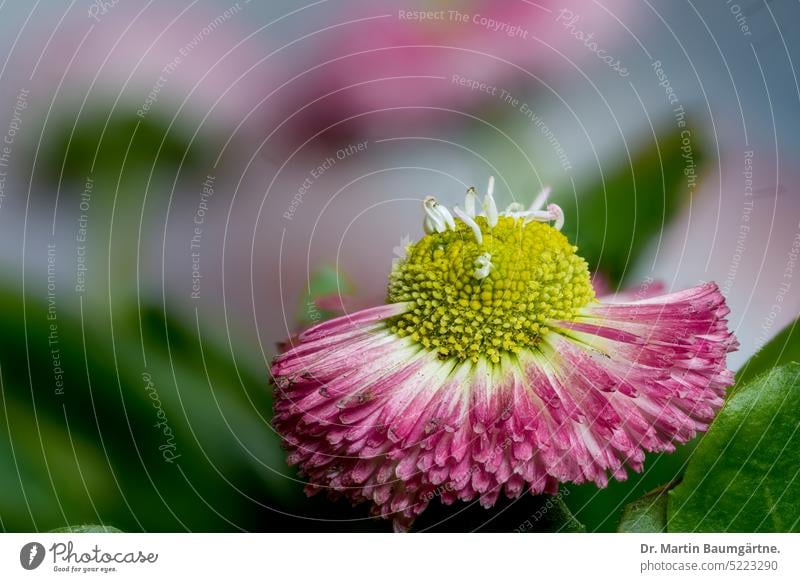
(378, 418)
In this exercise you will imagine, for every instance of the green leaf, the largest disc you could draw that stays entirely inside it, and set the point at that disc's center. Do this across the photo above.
(45, 469)
(745, 473)
(612, 220)
(97, 450)
(91, 528)
(111, 143)
(601, 509)
(326, 280)
(648, 514)
(783, 348)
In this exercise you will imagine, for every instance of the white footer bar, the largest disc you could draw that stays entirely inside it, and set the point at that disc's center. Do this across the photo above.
(411, 558)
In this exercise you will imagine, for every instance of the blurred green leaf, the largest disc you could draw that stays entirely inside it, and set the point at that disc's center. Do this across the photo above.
(96, 453)
(117, 176)
(647, 514)
(87, 529)
(325, 281)
(106, 144)
(743, 477)
(46, 470)
(783, 348)
(225, 401)
(612, 221)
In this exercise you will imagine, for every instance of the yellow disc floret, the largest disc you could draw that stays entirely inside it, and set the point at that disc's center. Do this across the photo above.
(471, 299)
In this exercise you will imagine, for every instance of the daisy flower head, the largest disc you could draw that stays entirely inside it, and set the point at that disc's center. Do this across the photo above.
(493, 369)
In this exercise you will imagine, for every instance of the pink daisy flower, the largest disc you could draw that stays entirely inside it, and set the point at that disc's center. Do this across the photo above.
(492, 368)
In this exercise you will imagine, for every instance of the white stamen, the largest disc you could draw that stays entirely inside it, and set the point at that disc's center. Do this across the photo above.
(438, 218)
(469, 202)
(484, 264)
(537, 215)
(557, 214)
(428, 226)
(470, 222)
(514, 208)
(553, 213)
(434, 218)
(540, 199)
(489, 205)
(446, 216)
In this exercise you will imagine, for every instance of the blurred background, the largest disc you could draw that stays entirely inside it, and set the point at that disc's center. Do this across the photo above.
(181, 181)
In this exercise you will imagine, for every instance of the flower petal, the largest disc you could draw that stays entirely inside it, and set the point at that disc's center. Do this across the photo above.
(381, 419)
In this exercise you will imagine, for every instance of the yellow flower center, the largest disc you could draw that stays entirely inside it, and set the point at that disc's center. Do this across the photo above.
(473, 300)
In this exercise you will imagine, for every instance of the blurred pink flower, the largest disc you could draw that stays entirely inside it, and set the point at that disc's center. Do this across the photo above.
(440, 55)
(153, 59)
